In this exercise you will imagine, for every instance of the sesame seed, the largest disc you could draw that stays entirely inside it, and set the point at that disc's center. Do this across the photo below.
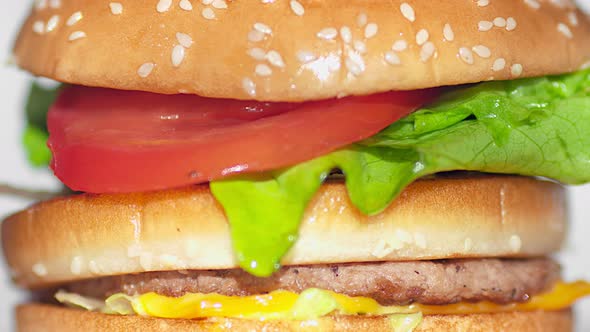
(560, 3)
(399, 45)
(466, 55)
(263, 70)
(485, 25)
(183, 39)
(163, 6)
(146, 69)
(186, 5)
(354, 63)
(297, 8)
(573, 18)
(500, 22)
(255, 36)
(177, 55)
(169, 261)
(75, 18)
(40, 4)
(510, 24)
(382, 249)
(392, 58)
(207, 2)
(219, 4)
(93, 267)
(360, 46)
(565, 30)
(516, 69)
(371, 30)
(305, 56)
(327, 33)
(77, 35)
(499, 64)
(257, 53)
(346, 34)
(55, 4)
(39, 270)
(361, 20)
(533, 4)
(482, 51)
(422, 37)
(468, 244)
(208, 13)
(408, 12)
(263, 28)
(249, 86)
(427, 51)
(116, 8)
(275, 59)
(448, 32)
(76, 265)
(515, 243)
(52, 23)
(39, 27)
(403, 236)
(483, 3)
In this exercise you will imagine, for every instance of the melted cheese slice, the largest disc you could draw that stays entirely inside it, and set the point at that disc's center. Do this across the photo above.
(316, 303)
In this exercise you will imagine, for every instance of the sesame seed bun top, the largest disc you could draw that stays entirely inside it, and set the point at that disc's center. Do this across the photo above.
(89, 236)
(299, 49)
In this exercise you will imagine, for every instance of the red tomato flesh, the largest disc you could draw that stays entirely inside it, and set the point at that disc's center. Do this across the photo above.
(107, 141)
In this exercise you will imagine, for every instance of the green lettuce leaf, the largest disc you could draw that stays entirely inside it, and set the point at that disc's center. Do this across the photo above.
(35, 136)
(533, 127)
(35, 143)
(79, 301)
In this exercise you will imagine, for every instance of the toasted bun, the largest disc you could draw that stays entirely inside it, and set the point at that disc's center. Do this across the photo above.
(47, 318)
(326, 52)
(96, 235)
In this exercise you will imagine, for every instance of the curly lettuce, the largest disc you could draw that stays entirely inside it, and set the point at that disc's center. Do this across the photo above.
(533, 127)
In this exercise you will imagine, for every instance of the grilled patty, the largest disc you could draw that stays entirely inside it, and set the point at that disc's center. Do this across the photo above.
(427, 282)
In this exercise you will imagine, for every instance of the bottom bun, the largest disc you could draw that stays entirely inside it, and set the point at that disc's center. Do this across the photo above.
(49, 318)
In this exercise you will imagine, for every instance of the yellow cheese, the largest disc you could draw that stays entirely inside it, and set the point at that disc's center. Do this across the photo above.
(280, 304)
(311, 303)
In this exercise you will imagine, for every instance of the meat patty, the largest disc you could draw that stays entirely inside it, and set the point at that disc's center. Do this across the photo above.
(427, 282)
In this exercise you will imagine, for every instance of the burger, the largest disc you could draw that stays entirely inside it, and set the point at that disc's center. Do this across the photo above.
(302, 165)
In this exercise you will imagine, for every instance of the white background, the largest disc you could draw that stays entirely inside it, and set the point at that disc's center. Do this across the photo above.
(14, 170)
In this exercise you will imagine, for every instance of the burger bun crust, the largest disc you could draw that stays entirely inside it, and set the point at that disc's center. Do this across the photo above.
(252, 50)
(88, 236)
(48, 318)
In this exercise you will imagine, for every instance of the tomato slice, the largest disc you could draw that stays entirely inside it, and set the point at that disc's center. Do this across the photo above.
(106, 141)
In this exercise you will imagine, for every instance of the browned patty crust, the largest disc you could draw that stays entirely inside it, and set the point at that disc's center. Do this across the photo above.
(427, 282)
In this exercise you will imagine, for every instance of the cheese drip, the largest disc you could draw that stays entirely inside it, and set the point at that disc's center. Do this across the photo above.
(312, 303)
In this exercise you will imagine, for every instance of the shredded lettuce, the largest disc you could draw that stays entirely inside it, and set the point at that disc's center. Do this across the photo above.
(117, 304)
(312, 303)
(79, 301)
(121, 304)
(533, 127)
